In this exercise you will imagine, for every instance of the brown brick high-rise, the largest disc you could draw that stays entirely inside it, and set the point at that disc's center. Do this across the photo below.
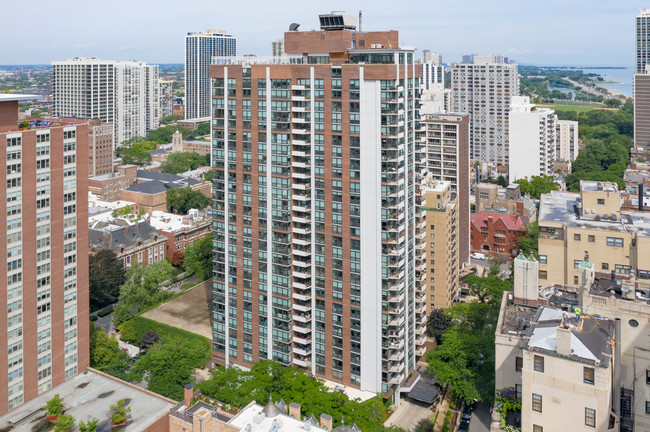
(44, 242)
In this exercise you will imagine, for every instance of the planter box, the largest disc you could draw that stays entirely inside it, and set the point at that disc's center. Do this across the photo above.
(52, 417)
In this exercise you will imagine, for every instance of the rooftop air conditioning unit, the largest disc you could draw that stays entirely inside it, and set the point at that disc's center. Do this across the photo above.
(373, 45)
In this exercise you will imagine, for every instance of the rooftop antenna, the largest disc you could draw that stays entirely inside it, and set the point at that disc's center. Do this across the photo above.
(360, 19)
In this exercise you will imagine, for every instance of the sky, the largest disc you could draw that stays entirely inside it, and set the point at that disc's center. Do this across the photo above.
(549, 32)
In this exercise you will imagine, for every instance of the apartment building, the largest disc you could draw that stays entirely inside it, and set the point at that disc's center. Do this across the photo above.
(441, 239)
(492, 197)
(531, 141)
(100, 148)
(45, 303)
(571, 224)
(314, 206)
(277, 47)
(433, 76)
(200, 47)
(431, 57)
(446, 150)
(125, 94)
(567, 145)
(642, 40)
(642, 110)
(166, 97)
(483, 89)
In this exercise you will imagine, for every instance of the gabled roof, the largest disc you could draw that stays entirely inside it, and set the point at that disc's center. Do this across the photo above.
(512, 222)
(126, 236)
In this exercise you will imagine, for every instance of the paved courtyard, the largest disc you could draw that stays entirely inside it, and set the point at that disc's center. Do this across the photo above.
(190, 312)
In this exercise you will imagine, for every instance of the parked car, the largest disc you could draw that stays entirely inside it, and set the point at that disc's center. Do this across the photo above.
(464, 426)
(467, 412)
(478, 255)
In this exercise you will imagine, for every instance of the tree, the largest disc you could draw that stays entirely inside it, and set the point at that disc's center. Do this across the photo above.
(181, 200)
(171, 119)
(105, 353)
(529, 242)
(437, 323)
(106, 274)
(207, 176)
(613, 103)
(198, 258)
(203, 129)
(501, 181)
(537, 185)
(141, 289)
(177, 258)
(135, 151)
(180, 162)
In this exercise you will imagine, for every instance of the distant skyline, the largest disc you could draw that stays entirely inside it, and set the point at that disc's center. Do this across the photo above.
(555, 32)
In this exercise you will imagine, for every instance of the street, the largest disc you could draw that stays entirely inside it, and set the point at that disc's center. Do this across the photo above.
(480, 421)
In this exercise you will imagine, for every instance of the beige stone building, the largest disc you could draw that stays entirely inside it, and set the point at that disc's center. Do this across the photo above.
(489, 196)
(571, 224)
(180, 145)
(440, 240)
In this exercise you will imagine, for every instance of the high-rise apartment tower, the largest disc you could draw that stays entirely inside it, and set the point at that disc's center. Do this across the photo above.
(44, 306)
(200, 47)
(642, 40)
(483, 89)
(314, 206)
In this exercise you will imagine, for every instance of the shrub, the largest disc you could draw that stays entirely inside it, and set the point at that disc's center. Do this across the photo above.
(53, 406)
(63, 423)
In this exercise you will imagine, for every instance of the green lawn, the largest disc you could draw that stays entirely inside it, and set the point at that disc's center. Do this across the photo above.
(573, 106)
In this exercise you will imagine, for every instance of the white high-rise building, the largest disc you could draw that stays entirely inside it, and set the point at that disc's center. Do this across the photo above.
(137, 100)
(532, 139)
(433, 76)
(483, 89)
(125, 94)
(166, 98)
(277, 47)
(566, 140)
(429, 57)
(200, 47)
(642, 40)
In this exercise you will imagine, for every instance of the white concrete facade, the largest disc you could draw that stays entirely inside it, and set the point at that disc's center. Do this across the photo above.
(532, 140)
(566, 138)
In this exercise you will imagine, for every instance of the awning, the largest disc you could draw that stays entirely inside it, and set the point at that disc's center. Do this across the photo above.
(425, 392)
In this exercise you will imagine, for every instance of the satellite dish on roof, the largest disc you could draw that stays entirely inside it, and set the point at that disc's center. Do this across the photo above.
(294, 27)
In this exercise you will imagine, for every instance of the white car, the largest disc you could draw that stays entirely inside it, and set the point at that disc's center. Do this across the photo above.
(478, 255)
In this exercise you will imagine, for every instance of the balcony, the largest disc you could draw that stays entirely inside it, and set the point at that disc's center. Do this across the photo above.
(306, 307)
(303, 350)
(301, 297)
(303, 340)
(301, 275)
(302, 318)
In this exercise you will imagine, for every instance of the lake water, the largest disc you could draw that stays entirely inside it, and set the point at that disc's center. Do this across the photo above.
(564, 90)
(624, 76)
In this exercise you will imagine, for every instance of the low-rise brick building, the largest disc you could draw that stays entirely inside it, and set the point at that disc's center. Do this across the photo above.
(496, 232)
(131, 241)
(108, 187)
(181, 230)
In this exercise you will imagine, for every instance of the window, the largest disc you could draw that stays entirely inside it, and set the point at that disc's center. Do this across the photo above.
(537, 402)
(542, 274)
(647, 374)
(576, 237)
(537, 428)
(604, 266)
(591, 239)
(539, 363)
(614, 241)
(590, 417)
(601, 201)
(519, 364)
(542, 259)
(622, 269)
(588, 375)
(647, 407)
(576, 263)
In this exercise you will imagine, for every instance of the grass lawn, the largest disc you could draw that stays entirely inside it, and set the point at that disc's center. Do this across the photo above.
(573, 106)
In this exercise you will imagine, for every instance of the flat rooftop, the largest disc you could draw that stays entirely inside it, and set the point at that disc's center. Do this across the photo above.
(90, 394)
(12, 97)
(562, 207)
(253, 419)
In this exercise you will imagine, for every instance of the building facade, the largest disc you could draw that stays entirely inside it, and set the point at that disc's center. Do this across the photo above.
(125, 94)
(497, 233)
(642, 110)
(131, 241)
(446, 147)
(100, 148)
(592, 221)
(642, 40)
(441, 244)
(483, 89)
(492, 197)
(166, 98)
(566, 140)
(531, 140)
(433, 76)
(44, 324)
(313, 163)
(108, 187)
(277, 47)
(200, 47)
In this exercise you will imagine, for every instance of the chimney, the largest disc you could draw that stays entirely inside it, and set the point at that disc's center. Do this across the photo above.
(326, 421)
(189, 395)
(294, 410)
(563, 337)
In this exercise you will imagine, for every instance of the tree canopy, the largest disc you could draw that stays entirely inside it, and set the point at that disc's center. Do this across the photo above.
(106, 274)
(180, 162)
(181, 200)
(529, 242)
(135, 151)
(140, 290)
(465, 357)
(267, 379)
(105, 353)
(198, 258)
(537, 185)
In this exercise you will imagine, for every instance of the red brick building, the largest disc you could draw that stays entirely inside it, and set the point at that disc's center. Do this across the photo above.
(494, 232)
